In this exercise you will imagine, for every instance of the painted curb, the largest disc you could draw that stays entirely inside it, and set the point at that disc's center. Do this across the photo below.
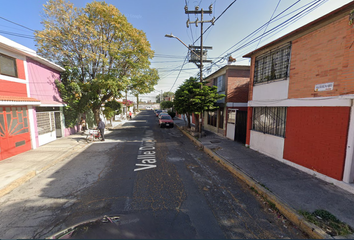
(291, 214)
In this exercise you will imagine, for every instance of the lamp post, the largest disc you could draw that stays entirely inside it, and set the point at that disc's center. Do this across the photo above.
(173, 36)
(201, 73)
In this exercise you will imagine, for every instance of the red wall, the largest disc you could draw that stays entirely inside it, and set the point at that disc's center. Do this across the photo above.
(8, 88)
(316, 138)
(20, 69)
(249, 124)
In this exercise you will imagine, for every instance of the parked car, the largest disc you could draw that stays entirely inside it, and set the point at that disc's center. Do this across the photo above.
(162, 113)
(165, 120)
(158, 112)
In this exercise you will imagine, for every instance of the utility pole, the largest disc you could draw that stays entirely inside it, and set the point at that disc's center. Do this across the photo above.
(201, 48)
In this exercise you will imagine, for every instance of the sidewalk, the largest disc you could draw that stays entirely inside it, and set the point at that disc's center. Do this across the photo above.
(287, 187)
(18, 169)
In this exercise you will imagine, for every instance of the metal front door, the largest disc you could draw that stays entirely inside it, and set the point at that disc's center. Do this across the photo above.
(58, 124)
(241, 126)
(231, 121)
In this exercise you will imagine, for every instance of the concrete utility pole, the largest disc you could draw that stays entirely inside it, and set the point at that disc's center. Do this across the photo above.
(201, 51)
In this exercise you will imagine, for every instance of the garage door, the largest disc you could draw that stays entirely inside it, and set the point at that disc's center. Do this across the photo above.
(14, 131)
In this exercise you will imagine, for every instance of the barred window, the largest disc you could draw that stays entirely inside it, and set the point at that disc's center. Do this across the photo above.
(272, 65)
(45, 122)
(270, 120)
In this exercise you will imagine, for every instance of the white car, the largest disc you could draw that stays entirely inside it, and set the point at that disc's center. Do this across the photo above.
(148, 108)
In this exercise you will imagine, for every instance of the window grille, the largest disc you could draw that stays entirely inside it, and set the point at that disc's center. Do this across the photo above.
(269, 120)
(45, 122)
(273, 65)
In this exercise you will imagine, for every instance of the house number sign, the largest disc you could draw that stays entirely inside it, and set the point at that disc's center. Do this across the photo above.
(324, 87)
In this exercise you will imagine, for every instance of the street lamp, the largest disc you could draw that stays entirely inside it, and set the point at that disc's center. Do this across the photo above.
(173, 36)
(201, 71)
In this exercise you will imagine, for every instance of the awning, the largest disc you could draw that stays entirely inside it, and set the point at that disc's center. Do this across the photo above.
(52, 103)
(17, 101)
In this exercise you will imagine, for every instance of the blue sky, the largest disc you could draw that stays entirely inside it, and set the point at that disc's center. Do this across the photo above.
(159, 17)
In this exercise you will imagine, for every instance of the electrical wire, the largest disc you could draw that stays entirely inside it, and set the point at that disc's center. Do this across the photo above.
(265, 29)
(17, 24)
(314, 4)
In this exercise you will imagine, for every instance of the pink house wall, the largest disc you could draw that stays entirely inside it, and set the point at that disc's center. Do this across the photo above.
(42, 86)
(41, 81)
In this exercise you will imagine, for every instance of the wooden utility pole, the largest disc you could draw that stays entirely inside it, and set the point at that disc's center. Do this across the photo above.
(201, 48)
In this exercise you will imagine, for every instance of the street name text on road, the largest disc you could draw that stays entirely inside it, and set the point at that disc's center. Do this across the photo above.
(147, 153)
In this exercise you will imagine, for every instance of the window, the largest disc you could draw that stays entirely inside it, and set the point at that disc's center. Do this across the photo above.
(212, 118)
(272, 65)
(8, 66)
(220, 83)
(270, 120)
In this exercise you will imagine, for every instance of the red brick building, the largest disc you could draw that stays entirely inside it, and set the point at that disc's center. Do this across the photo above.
(230, 119)
(301, 98)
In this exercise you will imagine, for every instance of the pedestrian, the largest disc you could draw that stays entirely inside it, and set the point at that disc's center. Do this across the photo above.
(83, 125)
(101, 127)
(130, 115)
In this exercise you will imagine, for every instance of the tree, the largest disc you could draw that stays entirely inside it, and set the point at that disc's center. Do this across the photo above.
(182, 97)
(160, 98)
(98, 41)
(192, 98)
(144, 82)
(70, 92)
(166, 104)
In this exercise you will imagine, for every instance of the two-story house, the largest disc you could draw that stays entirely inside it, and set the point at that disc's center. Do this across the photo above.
(301, 98)
(30, 105)
(230, 119)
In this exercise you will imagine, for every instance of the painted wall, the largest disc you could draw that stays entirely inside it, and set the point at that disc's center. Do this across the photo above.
(271, 90)
(270, 145)
(322, 56)
(9, 88)
(41, 81)
(316, 138)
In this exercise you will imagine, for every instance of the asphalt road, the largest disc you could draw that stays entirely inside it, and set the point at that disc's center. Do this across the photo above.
(154, 179)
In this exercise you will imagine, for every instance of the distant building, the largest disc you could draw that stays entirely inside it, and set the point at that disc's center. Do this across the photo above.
(230, 120)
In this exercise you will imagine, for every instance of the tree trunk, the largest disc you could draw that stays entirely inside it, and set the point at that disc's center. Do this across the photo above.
(96, 114)
(196, 120)
(189, 120)
(137, 103)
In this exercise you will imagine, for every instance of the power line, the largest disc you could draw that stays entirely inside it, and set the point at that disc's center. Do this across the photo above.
(265, 29)
(17, 34)
(313, 6)
(17, 24)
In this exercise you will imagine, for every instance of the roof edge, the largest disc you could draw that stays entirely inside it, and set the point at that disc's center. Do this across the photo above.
(303, 28)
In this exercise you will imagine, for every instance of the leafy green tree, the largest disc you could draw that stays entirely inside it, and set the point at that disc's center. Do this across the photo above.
(97, 41)
(166, 104)
(164, 96)
(144, 82)
(195, 97)
(71, 93)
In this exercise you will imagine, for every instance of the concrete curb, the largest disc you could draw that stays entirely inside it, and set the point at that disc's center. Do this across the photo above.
(291, 214)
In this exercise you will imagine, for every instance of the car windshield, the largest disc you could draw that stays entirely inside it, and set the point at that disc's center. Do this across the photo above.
(165, 117)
